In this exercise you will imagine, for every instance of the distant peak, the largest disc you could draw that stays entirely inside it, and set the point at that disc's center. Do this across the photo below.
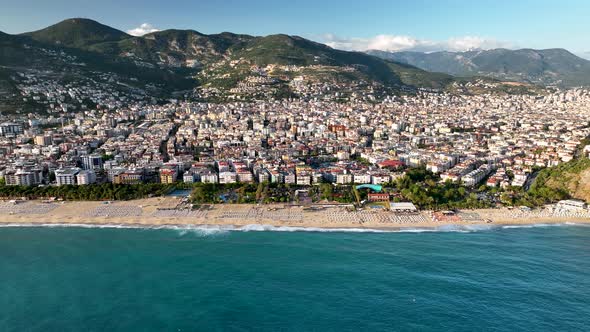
(168, 32)
(77, 32)
(79, 20)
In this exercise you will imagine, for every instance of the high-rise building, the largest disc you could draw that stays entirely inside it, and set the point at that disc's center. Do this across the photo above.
(92, 162)
(43, 140)
(10, 129)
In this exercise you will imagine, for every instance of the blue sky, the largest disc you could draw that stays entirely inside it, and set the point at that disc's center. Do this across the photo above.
(392, 25)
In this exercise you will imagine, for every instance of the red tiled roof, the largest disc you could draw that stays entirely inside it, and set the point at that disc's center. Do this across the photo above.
(390, 163)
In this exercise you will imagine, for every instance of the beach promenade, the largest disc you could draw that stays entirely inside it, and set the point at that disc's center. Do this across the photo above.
(171, 211)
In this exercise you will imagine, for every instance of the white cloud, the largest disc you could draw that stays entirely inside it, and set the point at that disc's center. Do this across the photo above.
(395, 43)
(142, 30)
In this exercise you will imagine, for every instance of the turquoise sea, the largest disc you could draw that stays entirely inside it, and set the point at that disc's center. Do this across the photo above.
(108, 279)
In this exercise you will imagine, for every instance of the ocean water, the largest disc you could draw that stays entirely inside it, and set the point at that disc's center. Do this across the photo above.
(257, 279)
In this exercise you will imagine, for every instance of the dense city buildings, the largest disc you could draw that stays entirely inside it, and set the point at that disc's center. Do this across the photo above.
(493, 140)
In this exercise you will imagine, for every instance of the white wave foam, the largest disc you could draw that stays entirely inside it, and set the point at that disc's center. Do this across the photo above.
(212, 230)
(271, 228)
(453, 229)
(533, 225)
(415, 230)
(203, 231)
(68, 225)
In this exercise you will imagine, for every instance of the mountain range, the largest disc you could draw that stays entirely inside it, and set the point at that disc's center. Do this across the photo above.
(174, 49)
(174, 62)
(556, 67)
(171, 62)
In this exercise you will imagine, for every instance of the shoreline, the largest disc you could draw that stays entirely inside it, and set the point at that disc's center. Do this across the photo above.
(164, 212)
(217, 228)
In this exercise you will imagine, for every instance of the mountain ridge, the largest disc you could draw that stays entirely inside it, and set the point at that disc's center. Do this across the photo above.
(189, 48)
(553, 66)
(223, 66)
(77, 32)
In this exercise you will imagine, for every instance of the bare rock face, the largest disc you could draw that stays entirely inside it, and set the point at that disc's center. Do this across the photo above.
(581, 189)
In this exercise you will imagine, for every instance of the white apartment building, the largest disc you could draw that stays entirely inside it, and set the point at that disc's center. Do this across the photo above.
(209, 177)
(361, 178)
(188, 177)
(23, 177)
(86, 177)
(344, 178)
(304, 180)
(66, 176)
(244, 176)
(290, 178)
(227, 177)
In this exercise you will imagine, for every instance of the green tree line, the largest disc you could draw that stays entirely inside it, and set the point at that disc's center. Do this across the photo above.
(106, 191)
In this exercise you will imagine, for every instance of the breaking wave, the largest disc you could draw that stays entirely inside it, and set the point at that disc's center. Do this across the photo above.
(213, 230)
(540, 225)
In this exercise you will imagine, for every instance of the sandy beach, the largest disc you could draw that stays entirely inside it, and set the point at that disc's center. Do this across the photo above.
(169, 211)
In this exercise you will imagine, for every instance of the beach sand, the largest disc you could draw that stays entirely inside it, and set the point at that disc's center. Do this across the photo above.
(161, 211)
